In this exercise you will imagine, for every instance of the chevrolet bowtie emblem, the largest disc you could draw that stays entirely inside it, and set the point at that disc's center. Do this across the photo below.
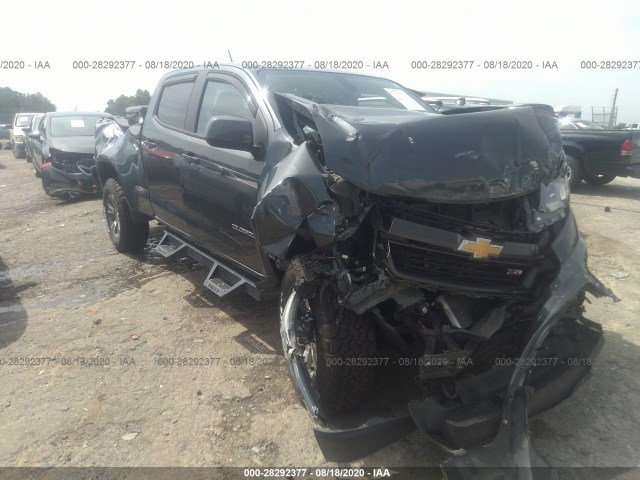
(481, 248)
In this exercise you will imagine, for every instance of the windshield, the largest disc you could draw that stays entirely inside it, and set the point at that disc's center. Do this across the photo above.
(23, 120)
(579, 123)
(73, 126)
(342, 89)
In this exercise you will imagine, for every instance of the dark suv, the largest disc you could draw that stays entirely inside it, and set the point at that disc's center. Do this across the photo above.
(383, 226)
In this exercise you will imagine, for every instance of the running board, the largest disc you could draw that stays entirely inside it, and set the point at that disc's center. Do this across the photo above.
(170, 245)
(221, 279)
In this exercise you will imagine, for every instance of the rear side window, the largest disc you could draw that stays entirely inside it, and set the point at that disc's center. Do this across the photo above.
(222, 99)
(174, 102)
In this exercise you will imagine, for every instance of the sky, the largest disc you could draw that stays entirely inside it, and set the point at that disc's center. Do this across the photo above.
(399, 33)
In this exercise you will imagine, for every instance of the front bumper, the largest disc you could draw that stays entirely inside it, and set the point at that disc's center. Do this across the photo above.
(57, 183)
(498, 406)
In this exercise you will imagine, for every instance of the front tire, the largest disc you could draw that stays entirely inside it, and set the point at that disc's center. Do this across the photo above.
(597, 180)
(334, 353)
(126, 234)
(575, 173)
(15, 151)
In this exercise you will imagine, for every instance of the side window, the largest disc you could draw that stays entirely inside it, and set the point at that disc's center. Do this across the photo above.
(174, 102)
(221, 99)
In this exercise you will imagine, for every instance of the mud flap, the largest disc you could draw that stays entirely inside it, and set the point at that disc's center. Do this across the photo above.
(511, 454)
(351, 444)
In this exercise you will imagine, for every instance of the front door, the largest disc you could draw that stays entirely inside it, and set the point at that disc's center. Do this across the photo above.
(221, 185)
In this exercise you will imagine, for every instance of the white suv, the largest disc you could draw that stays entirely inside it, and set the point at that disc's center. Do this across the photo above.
(20, 121)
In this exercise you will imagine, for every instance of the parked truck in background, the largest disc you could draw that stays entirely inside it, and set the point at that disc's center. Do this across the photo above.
(597, 155)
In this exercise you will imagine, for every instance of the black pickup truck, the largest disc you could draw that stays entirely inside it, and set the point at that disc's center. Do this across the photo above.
(383, 226)
(596, 155)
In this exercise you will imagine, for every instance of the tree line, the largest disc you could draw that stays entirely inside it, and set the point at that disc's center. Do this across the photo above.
(12, 102)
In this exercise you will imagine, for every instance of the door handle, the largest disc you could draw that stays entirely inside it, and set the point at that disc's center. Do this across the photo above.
(191, 159)
(148, 145)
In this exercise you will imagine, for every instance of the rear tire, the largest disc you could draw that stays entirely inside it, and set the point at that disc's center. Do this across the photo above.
(598, 179)
(575, 173)
(126, 234)
(340, 380)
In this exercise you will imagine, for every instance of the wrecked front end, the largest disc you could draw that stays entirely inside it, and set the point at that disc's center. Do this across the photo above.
(68, 174)
(453, 237)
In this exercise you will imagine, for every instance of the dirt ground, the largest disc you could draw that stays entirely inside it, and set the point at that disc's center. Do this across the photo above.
(68, 296)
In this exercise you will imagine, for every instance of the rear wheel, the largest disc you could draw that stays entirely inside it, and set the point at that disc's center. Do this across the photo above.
(126, 234)
(332, 343)
(598, 179)
(575, 172)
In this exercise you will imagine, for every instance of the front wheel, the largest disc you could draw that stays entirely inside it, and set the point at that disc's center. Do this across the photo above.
(335, 346)
(126, 234)
(598, 179)
(15, 151)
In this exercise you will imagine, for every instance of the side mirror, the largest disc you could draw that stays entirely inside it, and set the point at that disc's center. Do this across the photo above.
(230, 132)
(134, 119)
(135, 115)
(34, 135)
(27, 130)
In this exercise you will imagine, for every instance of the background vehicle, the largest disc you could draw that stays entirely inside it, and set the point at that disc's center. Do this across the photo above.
(384, 226)
(20, 121)
(63, 153)
(596, 155)
(28, 140)
(4, 131)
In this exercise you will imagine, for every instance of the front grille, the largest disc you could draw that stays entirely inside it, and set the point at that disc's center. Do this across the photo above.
(439, 266)
(70, 162)
(503, 220)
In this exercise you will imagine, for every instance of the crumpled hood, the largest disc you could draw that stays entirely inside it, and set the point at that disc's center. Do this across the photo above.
(477, 156)
(78, 144)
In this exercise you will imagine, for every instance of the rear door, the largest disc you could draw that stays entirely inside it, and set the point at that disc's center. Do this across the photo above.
(165, 138)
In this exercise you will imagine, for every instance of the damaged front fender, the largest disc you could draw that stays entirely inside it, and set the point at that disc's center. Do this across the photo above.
(295, 203)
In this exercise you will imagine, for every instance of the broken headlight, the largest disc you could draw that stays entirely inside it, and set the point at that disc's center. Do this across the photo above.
(552, 206)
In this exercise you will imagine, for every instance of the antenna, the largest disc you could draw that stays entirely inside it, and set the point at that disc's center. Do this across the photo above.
(229, 52)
